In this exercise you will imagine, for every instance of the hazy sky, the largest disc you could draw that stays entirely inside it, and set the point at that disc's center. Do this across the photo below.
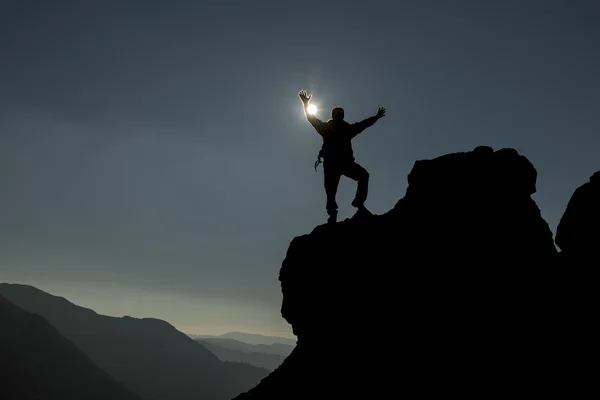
(155, 160)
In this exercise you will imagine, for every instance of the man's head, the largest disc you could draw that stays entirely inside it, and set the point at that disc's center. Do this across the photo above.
(337, 114)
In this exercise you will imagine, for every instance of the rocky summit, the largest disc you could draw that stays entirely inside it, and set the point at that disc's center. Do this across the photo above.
(458, 289)
(578, 233)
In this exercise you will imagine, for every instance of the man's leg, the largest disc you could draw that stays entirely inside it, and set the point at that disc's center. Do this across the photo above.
(332, 180)
(355, 172)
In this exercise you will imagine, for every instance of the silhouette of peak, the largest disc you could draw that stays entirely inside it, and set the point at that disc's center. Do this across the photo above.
(35, 293)
(460, 269)
(150, 322)
(459, 207)
(148, 355)
(33, 297)
(578, 233)
(477, 170)
(257, 339)
(38, 362)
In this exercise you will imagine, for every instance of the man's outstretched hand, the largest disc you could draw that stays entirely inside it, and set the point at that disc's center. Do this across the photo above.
(380, 113)
(305, 97)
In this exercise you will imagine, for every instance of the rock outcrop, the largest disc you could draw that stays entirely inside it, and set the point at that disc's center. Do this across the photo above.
(578, 233)
(453, 291)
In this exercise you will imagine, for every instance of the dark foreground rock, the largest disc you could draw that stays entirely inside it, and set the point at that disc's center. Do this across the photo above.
(578, 233)
(456, 290)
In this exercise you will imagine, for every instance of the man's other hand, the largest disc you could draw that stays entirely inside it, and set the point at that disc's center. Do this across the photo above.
(380, 112)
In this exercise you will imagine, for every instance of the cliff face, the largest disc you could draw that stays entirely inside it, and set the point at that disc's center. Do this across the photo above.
(454, 290)
(464, 216)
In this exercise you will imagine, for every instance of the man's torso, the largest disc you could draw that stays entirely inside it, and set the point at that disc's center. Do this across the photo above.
(337, 142)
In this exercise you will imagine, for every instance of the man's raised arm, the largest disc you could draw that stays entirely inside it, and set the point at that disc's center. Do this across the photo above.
(312, 119)
(358, 127)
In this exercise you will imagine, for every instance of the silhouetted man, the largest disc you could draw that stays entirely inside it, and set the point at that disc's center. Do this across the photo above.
(337, 153)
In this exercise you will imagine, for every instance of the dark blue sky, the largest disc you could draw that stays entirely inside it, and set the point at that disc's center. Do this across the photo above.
(155, 160)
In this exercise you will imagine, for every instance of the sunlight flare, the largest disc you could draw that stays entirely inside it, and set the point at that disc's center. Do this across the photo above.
(311, 109)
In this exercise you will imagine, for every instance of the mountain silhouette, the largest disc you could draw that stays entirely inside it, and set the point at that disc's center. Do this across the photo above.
(251, 338)
(148, 355)
(275, 348)
(37, 362)
(463, 268)
(260, 355)
(578, 233)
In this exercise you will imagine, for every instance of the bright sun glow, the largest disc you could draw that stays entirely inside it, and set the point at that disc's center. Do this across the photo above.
(311, 109)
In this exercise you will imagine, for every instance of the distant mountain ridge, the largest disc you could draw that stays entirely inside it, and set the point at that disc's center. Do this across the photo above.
(148, 355)
(37, 362)
(260, 355)
(275, 348)
(249, 338)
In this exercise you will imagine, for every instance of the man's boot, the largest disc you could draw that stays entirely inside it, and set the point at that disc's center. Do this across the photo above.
(358, 204)
(361, 209)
